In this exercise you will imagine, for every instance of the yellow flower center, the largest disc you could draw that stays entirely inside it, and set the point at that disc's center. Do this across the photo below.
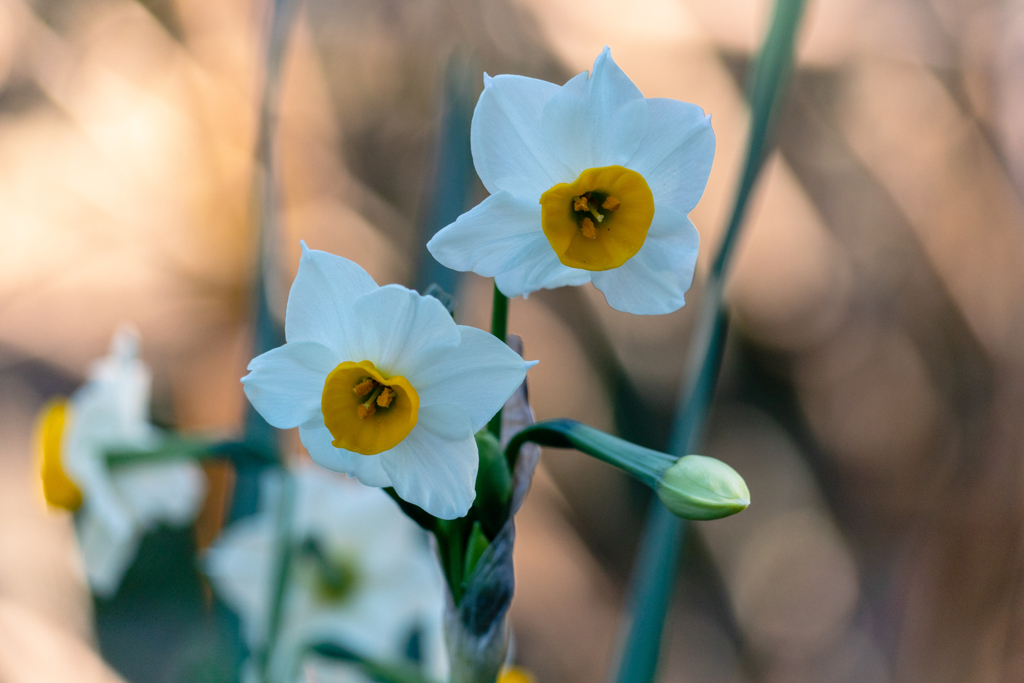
(58, 489)
(365, 411)
(599, 221)
(515, 674)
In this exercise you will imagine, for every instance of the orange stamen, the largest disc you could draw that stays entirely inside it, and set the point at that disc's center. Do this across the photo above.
(386, 397)
(611, 203)
(364, 411)
(580, 203)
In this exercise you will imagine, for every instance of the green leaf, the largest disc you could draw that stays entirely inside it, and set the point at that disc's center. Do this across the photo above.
(493, 484)
(378, 671)
(475, 547)
(643, 463)
(658, 555)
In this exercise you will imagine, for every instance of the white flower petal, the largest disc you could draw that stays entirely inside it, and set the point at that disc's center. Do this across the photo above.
(108, 545)
(397, 325)
(508, 150)
(676, 154)
(478, 376)
(539, 268)
(285, 384)
(321, 297)
(435, 466)
(317, 440)
(170, 492)
(655, 280)
(597, 120)
(238, 564)
(491, 238)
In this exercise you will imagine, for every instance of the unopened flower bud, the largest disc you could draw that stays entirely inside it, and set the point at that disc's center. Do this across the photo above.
(699, 487)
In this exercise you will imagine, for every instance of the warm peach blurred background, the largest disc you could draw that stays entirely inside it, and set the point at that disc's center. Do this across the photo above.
(873, 389)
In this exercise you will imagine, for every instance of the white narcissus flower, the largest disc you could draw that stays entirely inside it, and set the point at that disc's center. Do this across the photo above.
(362, 576)
(115, 505)
(382, 383)
(589, 182)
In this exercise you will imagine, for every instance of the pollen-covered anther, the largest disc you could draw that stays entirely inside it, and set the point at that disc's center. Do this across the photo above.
(386, 397)
(588, 229)
(610, 203)
(364, 387)
(364, 411)
(580, 203)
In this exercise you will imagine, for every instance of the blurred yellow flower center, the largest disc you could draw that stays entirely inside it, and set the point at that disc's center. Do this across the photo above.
(515, 674)
(365, 411)
(58, 489)
(599, 221)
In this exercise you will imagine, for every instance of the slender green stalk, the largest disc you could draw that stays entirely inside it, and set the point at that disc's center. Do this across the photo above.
(499, 328)
(267, 333)
(283, 551)
(654, 576)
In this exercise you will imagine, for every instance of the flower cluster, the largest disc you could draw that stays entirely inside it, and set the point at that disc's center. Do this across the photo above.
(589, 182)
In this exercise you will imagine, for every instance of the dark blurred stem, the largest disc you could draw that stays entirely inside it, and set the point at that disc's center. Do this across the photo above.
(499, 328)
(655, 573)
(258, 434)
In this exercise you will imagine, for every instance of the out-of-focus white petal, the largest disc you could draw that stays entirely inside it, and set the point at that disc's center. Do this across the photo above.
(435, 466)
(391, 593)
(397, 326)
(491, 238)
(655, 280)
(321, 296)
(317, 440)
(478, 376)
(285, 384)
(597, 120)
(676, 154)
(508, 150)
(238, 565)
(170, 492)
(108, 545)
(539, 268)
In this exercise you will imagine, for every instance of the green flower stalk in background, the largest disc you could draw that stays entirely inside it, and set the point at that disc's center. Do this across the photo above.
(362, 576)
(114, 506)
(589, 182)
(383, 385)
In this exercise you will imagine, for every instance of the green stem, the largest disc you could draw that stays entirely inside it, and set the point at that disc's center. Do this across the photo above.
(499, 328)
(658, 555)
(283, 550)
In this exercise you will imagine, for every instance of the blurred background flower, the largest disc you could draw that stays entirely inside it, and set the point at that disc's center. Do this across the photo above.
(874, 381)
(362, 576)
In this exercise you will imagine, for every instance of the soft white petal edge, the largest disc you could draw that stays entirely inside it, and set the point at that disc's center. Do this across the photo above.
(435, 466)
(286, 384)
(655, 280)
(539, 269)
(596, 120)
(478, 376)
(489, 238)
(398, 326)
(320, 298)
(107, 550)
(675, 156)
(169, 492)
(505, 136)
(318, 441)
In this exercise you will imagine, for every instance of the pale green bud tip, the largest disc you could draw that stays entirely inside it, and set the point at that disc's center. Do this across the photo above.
(698, 487)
